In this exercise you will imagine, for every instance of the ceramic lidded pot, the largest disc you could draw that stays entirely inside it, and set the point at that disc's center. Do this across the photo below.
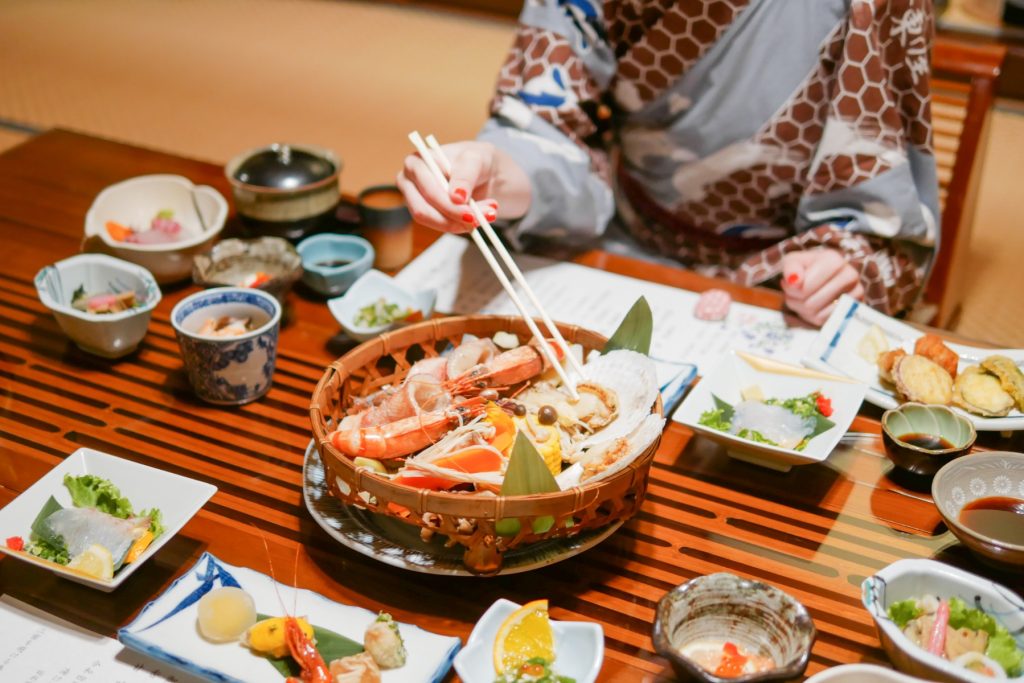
(228, 340)
(714, 611)
(284, 190)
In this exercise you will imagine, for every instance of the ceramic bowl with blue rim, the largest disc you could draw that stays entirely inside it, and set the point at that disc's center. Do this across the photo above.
(110, 335)
(916, 578)
(228, 340)
(372, 289)
(331, 263)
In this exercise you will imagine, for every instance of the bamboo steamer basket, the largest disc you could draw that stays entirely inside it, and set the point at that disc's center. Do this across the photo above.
(467, 519)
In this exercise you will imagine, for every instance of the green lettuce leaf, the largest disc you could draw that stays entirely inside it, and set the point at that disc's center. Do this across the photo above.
(90, 491)
(1003, 649)
(156, 520)
(903, 612)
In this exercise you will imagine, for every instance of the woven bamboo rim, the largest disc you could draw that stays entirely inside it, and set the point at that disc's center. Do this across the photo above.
(468, 519)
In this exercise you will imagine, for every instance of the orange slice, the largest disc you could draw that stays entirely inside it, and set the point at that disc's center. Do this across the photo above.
(525, 634)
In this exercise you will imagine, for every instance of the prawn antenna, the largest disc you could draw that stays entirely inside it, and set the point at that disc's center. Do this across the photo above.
(270, 563)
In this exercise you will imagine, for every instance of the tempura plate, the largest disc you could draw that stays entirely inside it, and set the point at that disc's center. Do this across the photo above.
(166, 628)
(398, 544)
(835, 350)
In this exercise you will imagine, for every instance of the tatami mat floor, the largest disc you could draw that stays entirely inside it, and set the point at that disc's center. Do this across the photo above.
(210, 78)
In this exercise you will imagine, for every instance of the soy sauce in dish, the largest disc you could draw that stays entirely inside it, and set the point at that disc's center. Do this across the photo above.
(999, 517)
(929, 442)
(333, 263)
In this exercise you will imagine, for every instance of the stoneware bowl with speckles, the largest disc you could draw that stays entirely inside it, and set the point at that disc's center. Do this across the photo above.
(228, 370)
(933, 420)
(232, 262)
(760, 618)
(983, 475)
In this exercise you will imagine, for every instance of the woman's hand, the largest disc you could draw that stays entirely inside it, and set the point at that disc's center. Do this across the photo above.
(813, 280)
(480, 171)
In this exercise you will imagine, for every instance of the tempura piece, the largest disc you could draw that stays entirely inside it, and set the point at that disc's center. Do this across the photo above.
(922, 380)
(981, 393)
(931, 347)
(886, 361)
(1010, 376)
(384, 643)
(360, 668)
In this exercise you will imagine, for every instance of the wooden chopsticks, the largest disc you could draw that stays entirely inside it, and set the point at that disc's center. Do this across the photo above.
(485, 227)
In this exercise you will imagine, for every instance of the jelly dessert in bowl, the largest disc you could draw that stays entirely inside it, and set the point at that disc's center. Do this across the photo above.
(719, 627)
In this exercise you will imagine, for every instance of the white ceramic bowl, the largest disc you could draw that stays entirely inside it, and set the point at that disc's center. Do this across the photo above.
(110, 335)
(134, 202)
(905, 579)
(369, 288)
(178, 499)
(981, 475)
(737, 372)
(860, 673)
(579, 647)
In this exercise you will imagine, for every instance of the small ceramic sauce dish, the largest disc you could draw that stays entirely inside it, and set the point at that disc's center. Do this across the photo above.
(377, 288)
(720, 627)
(268, 263)
(331, 263)
(922, 438)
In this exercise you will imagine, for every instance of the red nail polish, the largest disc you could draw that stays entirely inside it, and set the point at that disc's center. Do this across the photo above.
(460, 195)
(793, 278)
(467, 218)
(490, 215)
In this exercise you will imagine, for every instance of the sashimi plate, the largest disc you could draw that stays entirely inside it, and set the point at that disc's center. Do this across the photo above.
(398, 544)
(166, 629)
(835, 350)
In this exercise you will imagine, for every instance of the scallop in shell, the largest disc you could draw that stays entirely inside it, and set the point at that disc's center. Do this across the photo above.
(633, 381)
(608, 457)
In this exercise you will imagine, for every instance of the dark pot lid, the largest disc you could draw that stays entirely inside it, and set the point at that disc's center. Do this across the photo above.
(284, 167)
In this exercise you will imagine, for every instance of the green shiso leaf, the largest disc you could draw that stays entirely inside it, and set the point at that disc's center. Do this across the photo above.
(526, 474)
(329, 644)
(634, 332)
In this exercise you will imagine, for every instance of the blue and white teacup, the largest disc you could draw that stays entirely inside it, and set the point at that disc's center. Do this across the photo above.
(228, 370)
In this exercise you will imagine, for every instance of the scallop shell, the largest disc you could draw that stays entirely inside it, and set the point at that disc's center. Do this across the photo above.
(608, 457)
(633, 379)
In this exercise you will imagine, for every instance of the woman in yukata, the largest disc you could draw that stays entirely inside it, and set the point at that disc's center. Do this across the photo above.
(764, 141)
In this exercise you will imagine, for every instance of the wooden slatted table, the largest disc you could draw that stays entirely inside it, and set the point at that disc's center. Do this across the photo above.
(815, 532)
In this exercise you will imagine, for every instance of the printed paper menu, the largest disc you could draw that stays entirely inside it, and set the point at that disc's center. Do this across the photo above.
(39, 648)
(598, 300)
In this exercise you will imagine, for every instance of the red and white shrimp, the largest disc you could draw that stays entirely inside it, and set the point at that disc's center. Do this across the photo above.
(405, 436)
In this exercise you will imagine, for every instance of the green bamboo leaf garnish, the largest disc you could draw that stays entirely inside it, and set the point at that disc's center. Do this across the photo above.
(634, 332)
(329, 644)
(526, 474)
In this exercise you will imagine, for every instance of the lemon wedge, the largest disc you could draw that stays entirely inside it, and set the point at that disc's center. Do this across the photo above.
(525, 634)
(94, 561)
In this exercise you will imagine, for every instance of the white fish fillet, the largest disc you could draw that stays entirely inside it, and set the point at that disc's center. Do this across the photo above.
(83, 527)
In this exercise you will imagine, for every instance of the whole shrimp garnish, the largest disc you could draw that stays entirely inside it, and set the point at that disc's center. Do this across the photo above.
(305, 654)
(405, 436)
(313, 668)
(504, 370)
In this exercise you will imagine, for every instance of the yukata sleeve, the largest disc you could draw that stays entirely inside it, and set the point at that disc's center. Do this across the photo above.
(873, 189)
(544, 114)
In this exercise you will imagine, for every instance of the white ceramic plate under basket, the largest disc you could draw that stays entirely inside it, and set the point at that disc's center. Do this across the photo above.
(835, 350)
(398, 544)
(166, 628)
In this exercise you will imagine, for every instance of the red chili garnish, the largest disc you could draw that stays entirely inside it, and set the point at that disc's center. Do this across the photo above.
(824, 405)
(731, 664)
(16, 543)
